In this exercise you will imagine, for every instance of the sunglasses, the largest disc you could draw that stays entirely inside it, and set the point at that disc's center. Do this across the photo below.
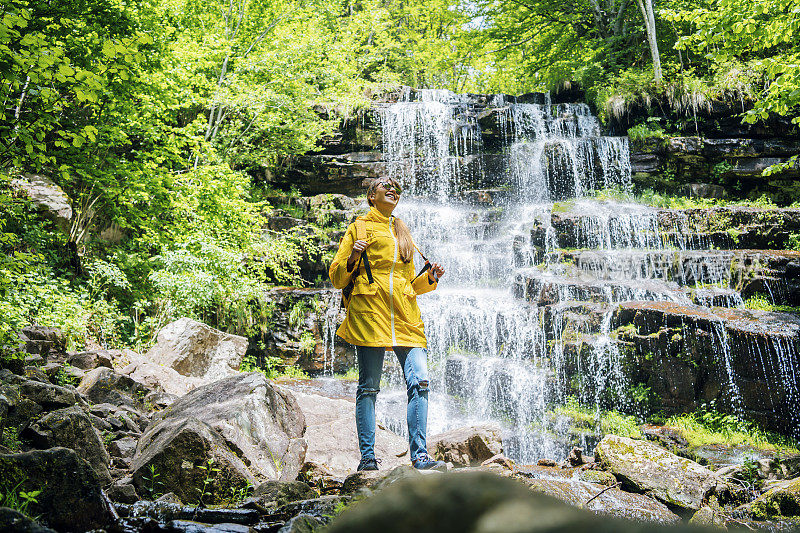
(390, 187)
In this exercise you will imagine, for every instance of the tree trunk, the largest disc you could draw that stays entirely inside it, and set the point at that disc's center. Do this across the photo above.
(646, 7)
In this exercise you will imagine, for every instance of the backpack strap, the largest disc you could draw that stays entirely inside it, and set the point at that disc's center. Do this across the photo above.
(361, 235)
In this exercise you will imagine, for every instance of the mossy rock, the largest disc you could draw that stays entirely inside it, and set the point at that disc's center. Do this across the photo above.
(601, 477)
(781, 501)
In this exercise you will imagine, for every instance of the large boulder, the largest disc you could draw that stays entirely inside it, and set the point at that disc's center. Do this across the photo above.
(646, 467)
(247, 426)
(188, 458)
(48, 198)
(71, 428)
(103, 385)
(478, 502)
(71, 498)
(468, 446)
(332, 439)
(161, 379)
(197, 350)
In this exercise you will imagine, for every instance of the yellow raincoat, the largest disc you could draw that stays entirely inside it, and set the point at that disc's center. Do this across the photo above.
(384, 313)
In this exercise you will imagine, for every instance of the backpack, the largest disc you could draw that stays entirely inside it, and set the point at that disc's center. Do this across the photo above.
(361, 235)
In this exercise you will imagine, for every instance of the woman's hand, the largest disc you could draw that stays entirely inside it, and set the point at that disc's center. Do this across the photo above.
(435, 272)
(358, 247)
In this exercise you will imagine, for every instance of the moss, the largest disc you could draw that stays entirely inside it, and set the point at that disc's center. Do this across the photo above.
(778, 502)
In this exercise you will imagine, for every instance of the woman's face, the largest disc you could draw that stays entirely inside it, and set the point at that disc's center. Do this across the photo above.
(385, 196)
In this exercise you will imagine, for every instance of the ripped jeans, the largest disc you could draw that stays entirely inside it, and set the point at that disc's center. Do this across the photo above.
(415, 369)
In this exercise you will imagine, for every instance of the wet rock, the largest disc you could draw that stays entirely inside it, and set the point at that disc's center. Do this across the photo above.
(196, 350)
(468, 446)
(601, 477)
(500, 460)
(11, 520)
(708, 516)
(645, 467)
(252, 428)
(168, 511)
(46, 395)
(546, 462)
(48, 198)
(272, 494)
(190, 526)
(575, 457)
(378, 479)
(103, 385)
(71, 428)
(469, 501)
(321, 508)
(781, 500)
(613, 502)
(71, 498)
(124, 448)
(332, 439)
(49, 342)
(302, 523)
(122, 491)
(90, 360)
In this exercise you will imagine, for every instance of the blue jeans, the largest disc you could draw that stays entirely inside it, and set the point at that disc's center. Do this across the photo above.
(415, 369)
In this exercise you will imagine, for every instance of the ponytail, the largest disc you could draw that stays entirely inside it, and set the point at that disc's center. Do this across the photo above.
(405, 244)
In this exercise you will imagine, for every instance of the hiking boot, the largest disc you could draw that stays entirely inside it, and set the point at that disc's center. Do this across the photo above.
(367, 463)
(425, 462)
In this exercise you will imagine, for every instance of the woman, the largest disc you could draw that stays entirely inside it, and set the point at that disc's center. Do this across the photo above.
(384, 314)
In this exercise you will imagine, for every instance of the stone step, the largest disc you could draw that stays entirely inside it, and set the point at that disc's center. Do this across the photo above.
(590, 224)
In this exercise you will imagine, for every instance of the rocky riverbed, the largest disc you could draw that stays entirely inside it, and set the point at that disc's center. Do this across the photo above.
(179, 439)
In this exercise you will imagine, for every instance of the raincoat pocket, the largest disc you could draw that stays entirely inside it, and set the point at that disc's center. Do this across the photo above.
(363, 287)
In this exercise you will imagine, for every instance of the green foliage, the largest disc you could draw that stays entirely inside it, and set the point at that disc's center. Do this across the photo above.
(307, 342)
(709, 427)
(211, 472)
(272, 367)
(15, 498)
(151, 482)
(645, 132)
(794, 242)
(602, 422)
(64, 378)
(10, 439)
(762, 302)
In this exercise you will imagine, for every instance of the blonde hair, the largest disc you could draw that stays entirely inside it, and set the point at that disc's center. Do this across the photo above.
(401, 231)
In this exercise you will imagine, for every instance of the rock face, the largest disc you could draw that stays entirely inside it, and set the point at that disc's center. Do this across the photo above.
(332, 439)
(249, 427)
(71, 428)
(646, 467)
(476, 502)
(468, 446)
(71, 501)
(47, 197)
(298, 312)
(196, 350)
(676, 350)
(725, 160)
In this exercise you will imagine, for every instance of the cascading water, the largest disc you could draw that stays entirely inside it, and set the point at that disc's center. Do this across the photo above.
(507, 322)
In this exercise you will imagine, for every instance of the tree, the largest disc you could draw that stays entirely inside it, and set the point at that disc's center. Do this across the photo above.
(646, 7)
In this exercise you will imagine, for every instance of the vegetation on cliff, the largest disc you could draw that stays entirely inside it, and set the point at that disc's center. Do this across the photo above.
(162, 120)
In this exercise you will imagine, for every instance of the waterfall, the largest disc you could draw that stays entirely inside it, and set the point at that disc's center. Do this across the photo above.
(533, 281)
